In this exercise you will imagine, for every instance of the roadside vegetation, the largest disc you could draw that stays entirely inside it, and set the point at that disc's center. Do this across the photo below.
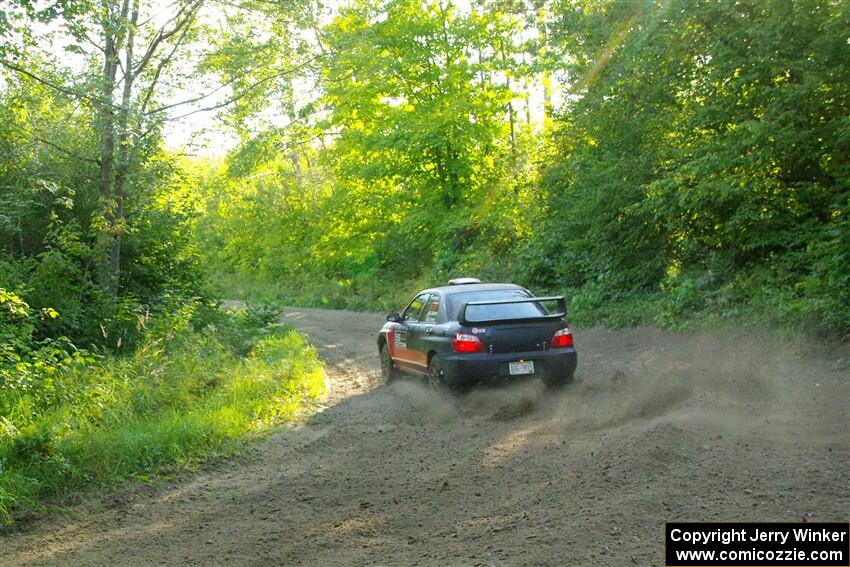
(196, 385)
(695, 169)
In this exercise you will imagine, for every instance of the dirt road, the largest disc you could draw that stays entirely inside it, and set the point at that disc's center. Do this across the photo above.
(658, 427)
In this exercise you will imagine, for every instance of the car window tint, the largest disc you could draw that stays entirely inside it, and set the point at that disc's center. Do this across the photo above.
(496, 312)
(431, 309)
(415, 308)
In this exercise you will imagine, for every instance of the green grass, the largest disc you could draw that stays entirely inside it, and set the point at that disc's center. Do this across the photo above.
(178, 400)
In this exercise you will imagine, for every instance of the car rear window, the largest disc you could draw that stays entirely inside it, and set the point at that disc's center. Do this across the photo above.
(495, 312)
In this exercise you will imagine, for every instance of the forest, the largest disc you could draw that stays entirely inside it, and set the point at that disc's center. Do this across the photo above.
(676, 163)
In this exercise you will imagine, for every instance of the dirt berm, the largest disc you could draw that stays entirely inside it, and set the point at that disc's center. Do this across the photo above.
(658, 427)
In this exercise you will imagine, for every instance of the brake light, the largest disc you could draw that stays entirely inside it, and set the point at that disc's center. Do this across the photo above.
(462, 342)
(562, 339)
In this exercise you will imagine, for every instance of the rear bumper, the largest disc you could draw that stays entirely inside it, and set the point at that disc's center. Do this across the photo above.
(461, 369)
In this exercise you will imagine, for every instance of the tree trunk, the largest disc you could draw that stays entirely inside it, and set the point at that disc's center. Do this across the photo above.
(545, 78)
(510, 105)
(107, 149)
(122, 165)
(289, 103)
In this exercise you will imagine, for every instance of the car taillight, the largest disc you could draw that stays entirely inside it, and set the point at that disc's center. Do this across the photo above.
(562, 339)
(462, 342)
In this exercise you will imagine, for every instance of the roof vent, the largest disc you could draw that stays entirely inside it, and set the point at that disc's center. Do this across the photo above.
(464, 281)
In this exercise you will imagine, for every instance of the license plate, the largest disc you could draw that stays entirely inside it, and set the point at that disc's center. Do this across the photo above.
(522, 367)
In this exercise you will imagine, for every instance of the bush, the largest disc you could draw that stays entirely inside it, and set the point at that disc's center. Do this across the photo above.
(182, 395)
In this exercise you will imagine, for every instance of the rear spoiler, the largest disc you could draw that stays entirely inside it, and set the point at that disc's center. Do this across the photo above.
(562, 310)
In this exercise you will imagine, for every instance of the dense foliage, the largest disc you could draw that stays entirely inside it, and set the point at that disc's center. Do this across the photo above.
(422, 168)
(181, 395)
(696, 167)
(114, 358)
(708, 161)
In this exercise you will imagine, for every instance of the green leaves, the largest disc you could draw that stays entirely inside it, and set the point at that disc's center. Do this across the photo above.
(714, 129)
(420, 115)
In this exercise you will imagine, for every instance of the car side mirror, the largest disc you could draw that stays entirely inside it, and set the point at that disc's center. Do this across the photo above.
(394, 318)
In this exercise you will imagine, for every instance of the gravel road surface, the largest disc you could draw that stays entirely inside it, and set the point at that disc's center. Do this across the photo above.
(658, 427)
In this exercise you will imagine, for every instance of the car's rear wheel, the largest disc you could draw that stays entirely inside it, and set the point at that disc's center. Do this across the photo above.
(388, 370)
(437, 375)
(553, 382)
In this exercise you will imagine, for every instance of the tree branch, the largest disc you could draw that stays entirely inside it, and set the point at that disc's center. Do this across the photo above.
(232, 99)
(198, 98)
(160, 9)
(66, 151)
(163, 35)
(54, 86)
(159, 68)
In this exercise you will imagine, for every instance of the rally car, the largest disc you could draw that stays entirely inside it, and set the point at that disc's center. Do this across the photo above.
(469, 332)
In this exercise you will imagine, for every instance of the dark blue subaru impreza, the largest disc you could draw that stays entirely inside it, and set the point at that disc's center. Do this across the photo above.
(469, 332)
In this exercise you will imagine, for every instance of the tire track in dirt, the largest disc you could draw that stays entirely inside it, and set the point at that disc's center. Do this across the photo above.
(658, 427)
